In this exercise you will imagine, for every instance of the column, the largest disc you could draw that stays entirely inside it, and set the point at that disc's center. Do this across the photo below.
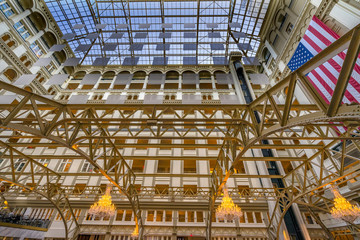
(108, 232)
(112, 83)
(35, 37)
(176, 166)
(142, 93)
(238, 230)
(18, 17)
(175, 220)
(66, 83)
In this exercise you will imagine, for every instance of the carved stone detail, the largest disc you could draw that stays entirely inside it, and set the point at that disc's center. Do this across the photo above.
(325, 8)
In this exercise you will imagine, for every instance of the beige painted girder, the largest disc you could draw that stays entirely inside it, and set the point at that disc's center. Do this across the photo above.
(84, 127)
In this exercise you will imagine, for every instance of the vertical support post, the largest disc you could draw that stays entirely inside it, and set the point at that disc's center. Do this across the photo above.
(345, 73)
(318, 221)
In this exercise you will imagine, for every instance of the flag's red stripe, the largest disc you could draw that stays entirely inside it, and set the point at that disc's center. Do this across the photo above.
(327, 42)
(322, 82)
(313, 41)
(356, 67)
(312, 44)
(332, 78)
(318, 90)
(355, 84)
(323, 39)
(336, 66)
(326, 28)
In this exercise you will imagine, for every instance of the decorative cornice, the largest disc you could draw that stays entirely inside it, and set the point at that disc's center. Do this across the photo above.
(149, 68)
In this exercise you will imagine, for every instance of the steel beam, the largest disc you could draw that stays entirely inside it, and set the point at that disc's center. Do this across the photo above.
(345, 73)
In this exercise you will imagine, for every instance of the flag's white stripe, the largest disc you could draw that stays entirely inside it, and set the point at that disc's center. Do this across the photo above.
(311, 77)
(341, 129)
(319, 86)
(354, 73)
(328, 81)
(357, 60)
(308, 47)
(322, 31)
(350, 87)
(316, 40)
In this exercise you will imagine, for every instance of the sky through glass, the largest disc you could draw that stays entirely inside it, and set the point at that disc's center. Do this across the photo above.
(142, 32)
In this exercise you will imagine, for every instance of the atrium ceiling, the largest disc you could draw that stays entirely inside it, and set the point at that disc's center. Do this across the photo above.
(103, 32)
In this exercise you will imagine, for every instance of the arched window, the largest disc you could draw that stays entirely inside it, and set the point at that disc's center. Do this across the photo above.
(27, 64)
(11, 44)
(139, 75)
(172, 75)
(204, 75)
(29, 89)
(79, 75)
(108, 75)
(10, 74)
(38, 20)
(23, 58)
(26, 4)
(51, 91)
(5, 37)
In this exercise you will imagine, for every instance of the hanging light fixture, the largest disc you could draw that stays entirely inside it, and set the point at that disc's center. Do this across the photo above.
(228, 210)
(104, 207)
(135, 233)
(343, 209)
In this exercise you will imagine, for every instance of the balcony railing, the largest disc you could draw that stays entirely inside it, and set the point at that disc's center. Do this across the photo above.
(17, 219)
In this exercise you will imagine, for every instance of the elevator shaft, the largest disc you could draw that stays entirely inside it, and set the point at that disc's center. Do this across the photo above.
(289, 218)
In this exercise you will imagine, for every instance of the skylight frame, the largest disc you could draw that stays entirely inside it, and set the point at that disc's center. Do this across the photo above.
(248, 13)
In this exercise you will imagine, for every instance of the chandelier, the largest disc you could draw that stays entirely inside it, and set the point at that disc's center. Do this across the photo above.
(228, 210)
(343, 209)
(135, 233)
(104, 207)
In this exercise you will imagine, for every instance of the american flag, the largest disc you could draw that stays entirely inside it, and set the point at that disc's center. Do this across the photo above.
(317, 37)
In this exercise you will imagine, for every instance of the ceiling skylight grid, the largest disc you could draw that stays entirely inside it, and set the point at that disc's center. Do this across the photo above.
(209, 32)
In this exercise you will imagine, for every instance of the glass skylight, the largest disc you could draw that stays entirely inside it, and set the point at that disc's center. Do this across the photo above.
(156, 18)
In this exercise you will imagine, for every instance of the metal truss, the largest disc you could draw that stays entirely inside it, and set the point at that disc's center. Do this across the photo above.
(90, 133)
(123, 178)
(149, 193)
(42, 182)
(329, 123)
